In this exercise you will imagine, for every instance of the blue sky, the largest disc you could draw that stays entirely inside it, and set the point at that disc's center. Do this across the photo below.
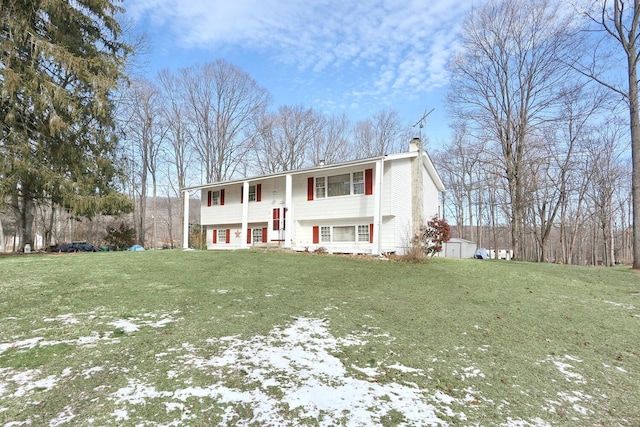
(356, 57)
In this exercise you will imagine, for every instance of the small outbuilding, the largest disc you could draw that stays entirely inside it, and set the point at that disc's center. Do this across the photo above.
(459, 248)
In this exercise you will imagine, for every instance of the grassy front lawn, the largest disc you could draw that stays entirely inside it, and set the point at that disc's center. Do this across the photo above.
(268, 338)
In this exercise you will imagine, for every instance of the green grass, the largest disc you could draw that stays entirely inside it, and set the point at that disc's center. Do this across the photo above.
(201, 338)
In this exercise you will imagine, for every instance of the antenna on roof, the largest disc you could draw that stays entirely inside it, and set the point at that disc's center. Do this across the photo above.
(420, 122)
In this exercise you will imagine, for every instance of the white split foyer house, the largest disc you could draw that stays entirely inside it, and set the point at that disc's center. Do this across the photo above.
(367, 206)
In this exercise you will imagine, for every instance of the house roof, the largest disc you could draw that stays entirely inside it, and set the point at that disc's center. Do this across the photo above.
(426, 161)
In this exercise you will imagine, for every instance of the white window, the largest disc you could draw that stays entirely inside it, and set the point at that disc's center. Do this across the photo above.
(344, 234)
(339, 185)
(215, 198)
(363, 233)
(257, 235)
(320, 187)
(252, 193)
(358, 183)
(222, 236)
(325, 234)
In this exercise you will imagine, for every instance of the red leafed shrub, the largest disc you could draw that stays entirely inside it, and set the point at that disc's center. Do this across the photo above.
(432, 236)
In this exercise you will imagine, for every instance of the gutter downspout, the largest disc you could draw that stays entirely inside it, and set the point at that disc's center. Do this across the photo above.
(288, 204)
(245, 215)
(185, 220)
(377, 208)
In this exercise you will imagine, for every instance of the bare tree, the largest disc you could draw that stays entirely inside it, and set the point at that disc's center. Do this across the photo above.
(606, 169)
(557, 159)
(620, 21)
(460, 163)
(178, 152)
(505, 83)
(223, 103)
(331, 141)
(382, 134)
(145, 132)
(283, 139)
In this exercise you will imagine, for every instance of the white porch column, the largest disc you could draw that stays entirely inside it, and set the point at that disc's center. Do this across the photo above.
(377, 207)
(185, 220)
(245, 214)
(289, 221)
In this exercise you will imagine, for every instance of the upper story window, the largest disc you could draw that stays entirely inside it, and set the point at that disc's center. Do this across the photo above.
(360, 182)
(215, 198)
(338, 185)
(255, 193)
(321, 189)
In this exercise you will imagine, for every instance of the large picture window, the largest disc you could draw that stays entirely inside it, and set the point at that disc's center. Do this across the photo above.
(344, 234)
(339, 185)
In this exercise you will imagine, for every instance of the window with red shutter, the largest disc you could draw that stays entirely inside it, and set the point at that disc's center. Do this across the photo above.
(368, 182)
(310, 188)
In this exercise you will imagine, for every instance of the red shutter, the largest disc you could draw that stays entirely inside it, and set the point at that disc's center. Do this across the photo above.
(215, 236)
(368, 182)
(242, 194)
(316, 234)
(228, 235)
(310, 188)
(222, 197)
(370, 233)
(258, 192)
(276, 219)
(264, 234)
(248, 236)
(208, 198)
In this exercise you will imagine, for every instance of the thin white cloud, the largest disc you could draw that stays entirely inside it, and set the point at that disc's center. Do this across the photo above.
(399, 45)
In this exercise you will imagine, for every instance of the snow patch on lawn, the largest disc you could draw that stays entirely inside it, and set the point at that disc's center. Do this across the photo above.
(296, 362)
(566, 369)
(65, 319)
(134, 324)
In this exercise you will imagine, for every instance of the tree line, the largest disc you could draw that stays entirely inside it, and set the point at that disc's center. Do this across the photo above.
(542, 142)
